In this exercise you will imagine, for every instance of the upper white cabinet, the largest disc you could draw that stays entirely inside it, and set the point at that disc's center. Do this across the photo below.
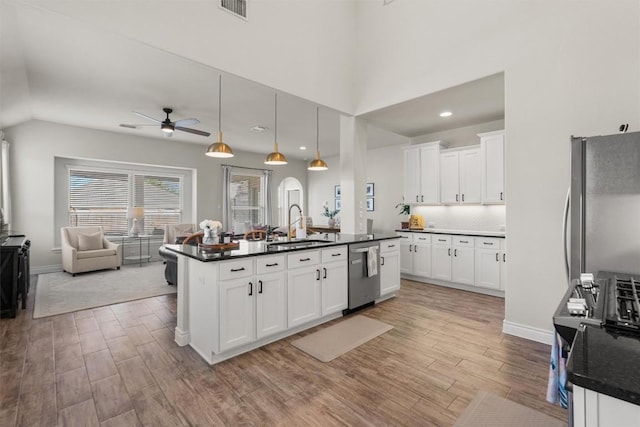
(492, 148)
(460, 174)
(422, 173)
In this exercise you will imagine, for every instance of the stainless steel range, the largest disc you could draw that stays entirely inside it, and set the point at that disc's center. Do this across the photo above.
(621, 304)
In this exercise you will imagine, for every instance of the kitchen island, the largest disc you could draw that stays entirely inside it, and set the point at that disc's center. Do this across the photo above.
(235, 301)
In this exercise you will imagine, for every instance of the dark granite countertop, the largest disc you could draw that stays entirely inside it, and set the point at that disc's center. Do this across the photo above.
(249, 249)
(606, 362)
(456, 232)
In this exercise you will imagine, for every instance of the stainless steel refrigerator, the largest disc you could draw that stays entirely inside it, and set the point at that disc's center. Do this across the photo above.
(602, 214)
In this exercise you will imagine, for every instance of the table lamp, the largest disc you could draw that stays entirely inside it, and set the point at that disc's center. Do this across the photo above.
(135, 213)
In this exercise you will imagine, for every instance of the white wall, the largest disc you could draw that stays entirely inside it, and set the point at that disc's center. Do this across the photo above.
(300, 47)
(570, 68)
(35, 144)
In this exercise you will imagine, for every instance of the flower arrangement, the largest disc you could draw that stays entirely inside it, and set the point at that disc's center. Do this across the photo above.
(326, 212)
(207, 223)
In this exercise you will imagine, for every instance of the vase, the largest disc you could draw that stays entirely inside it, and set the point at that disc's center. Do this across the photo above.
(331, 222)
(209, 237)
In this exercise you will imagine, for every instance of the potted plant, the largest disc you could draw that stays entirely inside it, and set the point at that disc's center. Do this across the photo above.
(329, 214)
(405, 209)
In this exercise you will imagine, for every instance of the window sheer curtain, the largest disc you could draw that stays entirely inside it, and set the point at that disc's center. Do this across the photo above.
(5, 188)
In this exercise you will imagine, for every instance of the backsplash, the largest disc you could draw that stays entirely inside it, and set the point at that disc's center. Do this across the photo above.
(474, 218)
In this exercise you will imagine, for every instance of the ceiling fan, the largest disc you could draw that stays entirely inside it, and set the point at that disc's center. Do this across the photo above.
(166, 125)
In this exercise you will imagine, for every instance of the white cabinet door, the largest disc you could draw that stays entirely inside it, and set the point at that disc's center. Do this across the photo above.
(422, 260)
(335, 288)
(406, 256)
(430, 175)
(441, 262)
(492, 146)
(412, 175)
(488, 268)
(462, 265)
(237, 311)
(271, 304)
(449, 178)
(503, 265)
(470, 176)
(389, 272)
(304, 295)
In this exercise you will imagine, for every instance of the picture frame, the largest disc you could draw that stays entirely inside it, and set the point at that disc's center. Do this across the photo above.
(336, 191)
(370, 189)
(338, 205)
(370, 204)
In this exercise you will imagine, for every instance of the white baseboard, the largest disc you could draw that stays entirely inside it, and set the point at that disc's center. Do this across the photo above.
(529, 332)
(46, 269)
(181, 337)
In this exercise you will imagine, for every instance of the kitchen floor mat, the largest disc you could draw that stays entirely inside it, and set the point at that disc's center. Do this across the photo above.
(488, 410)
(329, 343)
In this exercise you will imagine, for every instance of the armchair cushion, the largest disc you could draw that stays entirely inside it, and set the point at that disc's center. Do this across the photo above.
(89, 242)
(96, 253)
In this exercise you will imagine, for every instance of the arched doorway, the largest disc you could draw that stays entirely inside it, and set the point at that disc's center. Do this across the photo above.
(289, 191)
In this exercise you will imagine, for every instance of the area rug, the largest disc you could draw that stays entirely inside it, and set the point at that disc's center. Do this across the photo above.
(59, 293)
(488, 410)
(329, 343)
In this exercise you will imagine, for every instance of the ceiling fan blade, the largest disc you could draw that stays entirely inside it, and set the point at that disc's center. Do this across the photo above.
(196, 131)
(136, 126)
(186, 122)
(147, 117)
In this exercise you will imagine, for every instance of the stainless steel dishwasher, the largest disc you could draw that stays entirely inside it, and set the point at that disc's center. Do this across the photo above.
(364, 286)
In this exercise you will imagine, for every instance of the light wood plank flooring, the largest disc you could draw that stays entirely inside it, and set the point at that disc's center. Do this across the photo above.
(119, 366)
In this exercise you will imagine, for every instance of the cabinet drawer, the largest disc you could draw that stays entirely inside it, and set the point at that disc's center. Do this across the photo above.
(441, 239)
(235, 269)
(409, 236)
(422, 238)
(269, 264)
(488, 242)
(303, 259)
(338, 253)
(464, 241)
(387, 246)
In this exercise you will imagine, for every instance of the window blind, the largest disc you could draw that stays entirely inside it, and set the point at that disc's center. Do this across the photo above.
(161, 198)
(247, 200)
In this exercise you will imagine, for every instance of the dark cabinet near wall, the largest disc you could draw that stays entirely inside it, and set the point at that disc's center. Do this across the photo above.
(14, 272)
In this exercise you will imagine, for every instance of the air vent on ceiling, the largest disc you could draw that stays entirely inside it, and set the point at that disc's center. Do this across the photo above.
(237, 7)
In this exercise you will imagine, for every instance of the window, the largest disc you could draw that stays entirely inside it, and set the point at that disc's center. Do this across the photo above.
(101, 198)
(247, 199)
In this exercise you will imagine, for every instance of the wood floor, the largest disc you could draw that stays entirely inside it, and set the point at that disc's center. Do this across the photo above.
(119, 366)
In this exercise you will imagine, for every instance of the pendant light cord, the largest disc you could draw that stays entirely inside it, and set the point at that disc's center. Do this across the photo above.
(219, 102)
(317, 132)
(275, 131)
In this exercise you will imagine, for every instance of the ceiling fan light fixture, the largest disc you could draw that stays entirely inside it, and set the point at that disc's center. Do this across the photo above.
(167, 128)
(276, 158)
(317, 164)
(219, 149)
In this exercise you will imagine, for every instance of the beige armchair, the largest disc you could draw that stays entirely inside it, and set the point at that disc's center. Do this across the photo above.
(173, 231)
(86, 249)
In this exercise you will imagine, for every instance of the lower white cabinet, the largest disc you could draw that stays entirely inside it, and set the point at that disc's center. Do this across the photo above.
(593, 409)
(389, 266)
(459, 259)
(489, 262)
(415, 254)
(462, 264)
(253, 305)
(441, 257)
(303, 287)
(335, 277)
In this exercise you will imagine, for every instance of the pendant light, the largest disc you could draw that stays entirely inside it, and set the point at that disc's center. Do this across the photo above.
(219, 149)
(318, 164)
(276, 158)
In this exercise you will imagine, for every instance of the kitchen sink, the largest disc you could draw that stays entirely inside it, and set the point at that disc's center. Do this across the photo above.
(300, 244)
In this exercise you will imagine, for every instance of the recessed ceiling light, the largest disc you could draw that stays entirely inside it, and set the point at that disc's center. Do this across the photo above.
(303, 147)
(259, 128)
(446, 114)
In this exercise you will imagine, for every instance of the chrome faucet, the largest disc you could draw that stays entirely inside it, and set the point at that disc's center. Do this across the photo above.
(289, 219)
